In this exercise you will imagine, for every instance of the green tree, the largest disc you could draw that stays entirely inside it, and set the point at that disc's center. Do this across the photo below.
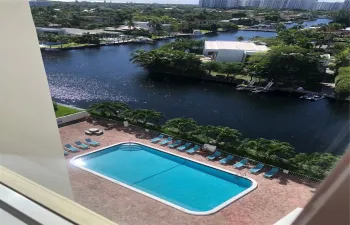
(211, 66)
(231, 138)
(342, 82)
(228, 26)
(231, 68)
(249, 146)
(287, 64)
(272, 17)
(168, 61)
(280, 27)
(131, 24)
(240, 38)
(213, 27)
(146, 116)
(342, 17)
(208, 133)
(113, 109)
(182, 126)
(343, 58)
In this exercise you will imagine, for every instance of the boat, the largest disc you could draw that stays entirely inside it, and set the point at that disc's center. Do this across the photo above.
(244, 87)
(263, 89)
(313, 96)
(318, 97)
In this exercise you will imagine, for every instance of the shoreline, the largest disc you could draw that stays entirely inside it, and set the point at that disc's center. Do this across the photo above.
(275, 89)
(130, 41)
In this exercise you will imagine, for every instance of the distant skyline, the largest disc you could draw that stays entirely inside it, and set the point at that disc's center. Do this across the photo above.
(192, 2)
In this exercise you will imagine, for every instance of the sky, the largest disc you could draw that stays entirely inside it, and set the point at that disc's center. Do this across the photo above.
(168, 1)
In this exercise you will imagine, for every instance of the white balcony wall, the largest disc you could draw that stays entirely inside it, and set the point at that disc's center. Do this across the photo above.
(29, 139)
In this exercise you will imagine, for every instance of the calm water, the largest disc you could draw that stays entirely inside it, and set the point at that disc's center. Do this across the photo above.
(82, 77)
(181, 182)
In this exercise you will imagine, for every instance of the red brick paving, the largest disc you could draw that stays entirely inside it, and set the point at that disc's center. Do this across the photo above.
(272, 199)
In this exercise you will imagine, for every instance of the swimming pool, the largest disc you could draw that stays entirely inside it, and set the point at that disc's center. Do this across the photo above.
(182, 183)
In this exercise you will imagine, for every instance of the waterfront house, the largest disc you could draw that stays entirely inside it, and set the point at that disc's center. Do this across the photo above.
(231, 51)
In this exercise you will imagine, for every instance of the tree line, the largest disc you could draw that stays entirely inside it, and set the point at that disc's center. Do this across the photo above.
(273, 152)
(182, 18)
(64, 39)
(288, 64)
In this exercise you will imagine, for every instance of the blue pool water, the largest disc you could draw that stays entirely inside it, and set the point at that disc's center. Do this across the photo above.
(183, 183)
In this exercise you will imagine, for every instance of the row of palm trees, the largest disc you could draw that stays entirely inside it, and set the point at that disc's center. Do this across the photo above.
(269, 151)
(119, 110)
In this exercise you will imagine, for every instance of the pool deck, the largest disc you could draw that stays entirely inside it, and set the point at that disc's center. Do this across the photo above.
(272, 200)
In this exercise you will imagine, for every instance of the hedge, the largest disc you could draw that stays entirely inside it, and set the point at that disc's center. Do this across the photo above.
(342, 82)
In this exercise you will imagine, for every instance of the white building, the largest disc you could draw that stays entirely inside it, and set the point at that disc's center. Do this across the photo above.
(231, 51)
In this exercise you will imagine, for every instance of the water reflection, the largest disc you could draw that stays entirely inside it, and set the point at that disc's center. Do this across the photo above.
(86, 76)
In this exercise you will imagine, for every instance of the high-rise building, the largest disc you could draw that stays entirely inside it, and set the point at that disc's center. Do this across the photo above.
(276, 4)
(243, 3)
(324, 5)
(254, 3)
(307, 4)
(294, 4)
(223, 4)
(346, 4)
(336, 6)
(206, 3)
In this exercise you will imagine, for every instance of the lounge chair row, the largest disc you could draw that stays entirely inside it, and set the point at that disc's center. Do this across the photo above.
(176, 144)
(243, 163)
(79, 144)
(184, 147)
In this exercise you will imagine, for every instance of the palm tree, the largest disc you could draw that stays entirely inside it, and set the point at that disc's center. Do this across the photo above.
(102, 109)
(209, 133)
(228, 136)
(182, 126)
(240, 38)
(211, 66)
(131, 24)
(146, 115)
(231, 68)
(248, 145)
(108, 108)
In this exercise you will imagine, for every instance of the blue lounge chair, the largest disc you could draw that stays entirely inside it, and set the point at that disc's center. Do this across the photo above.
(160, 137)
(193, 150)
(214, 156)
(257, 168)
(241, 163)
(166, 141)
(81, 145)
(89, 141)
(226, 160)
(271, 172)
(174, 144)
(66, 153)
(71, 148)
(183, 147)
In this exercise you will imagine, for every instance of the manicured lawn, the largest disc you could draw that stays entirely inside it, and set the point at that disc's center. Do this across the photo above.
(64, 111)
(205, 31)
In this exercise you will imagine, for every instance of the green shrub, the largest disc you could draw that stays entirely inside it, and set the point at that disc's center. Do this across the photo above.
(342, 82)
